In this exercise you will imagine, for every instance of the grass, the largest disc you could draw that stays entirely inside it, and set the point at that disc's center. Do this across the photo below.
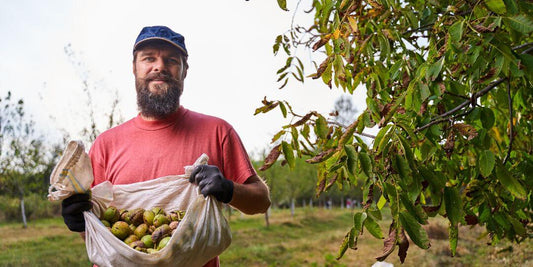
(309, 238)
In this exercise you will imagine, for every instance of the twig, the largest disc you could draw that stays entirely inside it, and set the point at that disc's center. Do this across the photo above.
(344, 126)
(522, 46)
(511, 137)
(475, 96)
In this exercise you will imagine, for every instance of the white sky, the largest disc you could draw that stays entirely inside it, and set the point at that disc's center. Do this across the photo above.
(231, 64)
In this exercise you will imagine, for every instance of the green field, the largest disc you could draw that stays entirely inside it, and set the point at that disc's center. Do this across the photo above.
(310, 238)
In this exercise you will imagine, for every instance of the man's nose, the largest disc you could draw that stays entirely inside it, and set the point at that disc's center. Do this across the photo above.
(159, 65)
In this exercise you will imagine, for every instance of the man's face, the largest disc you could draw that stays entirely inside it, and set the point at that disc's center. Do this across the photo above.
(159, 72)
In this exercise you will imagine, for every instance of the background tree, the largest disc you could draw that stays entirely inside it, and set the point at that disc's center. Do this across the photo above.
(25, 160)
(449, 86)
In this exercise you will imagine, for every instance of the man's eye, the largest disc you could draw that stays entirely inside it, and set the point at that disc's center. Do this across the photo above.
(148, 59)
(173, 60)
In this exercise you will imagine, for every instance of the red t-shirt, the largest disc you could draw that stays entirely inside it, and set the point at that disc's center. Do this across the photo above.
(140, 150)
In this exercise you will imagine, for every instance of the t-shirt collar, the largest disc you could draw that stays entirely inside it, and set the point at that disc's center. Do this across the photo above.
(159, 124)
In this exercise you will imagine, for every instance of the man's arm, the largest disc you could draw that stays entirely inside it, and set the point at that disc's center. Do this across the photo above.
(252, 196)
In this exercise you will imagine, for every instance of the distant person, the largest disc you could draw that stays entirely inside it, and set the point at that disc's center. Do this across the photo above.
(165, 137)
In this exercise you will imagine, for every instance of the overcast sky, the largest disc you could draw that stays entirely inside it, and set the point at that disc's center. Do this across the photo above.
(49, 48)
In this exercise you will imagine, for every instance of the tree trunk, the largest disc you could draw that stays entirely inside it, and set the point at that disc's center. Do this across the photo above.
(292, 207)
(23, 212)
(267, 213)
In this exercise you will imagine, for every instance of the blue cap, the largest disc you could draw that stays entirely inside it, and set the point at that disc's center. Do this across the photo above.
(161, 33)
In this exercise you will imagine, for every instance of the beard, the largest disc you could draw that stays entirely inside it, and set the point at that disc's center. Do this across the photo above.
(164, 101)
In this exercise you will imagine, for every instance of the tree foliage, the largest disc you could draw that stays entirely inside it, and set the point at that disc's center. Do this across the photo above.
(448, 86)
(26, 161)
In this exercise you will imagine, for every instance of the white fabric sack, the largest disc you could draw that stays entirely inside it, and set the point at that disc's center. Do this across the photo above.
(203, 234)
(72, 174)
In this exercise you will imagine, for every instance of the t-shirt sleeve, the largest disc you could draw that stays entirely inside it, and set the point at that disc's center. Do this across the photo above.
(237, 165)
(95, 153)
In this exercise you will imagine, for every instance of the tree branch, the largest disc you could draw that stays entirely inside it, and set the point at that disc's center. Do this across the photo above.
(511, 137)
(344, 126)
(475, 96)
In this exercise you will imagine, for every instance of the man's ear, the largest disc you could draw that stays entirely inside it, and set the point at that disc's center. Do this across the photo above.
(134, 68)
(184, 73)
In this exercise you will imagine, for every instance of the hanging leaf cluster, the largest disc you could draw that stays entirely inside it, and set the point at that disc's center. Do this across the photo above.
(448, 87)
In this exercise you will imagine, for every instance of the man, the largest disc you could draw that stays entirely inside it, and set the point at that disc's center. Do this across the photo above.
(165, 137)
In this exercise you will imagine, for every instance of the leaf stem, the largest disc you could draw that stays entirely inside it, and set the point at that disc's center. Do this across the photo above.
(511, 134)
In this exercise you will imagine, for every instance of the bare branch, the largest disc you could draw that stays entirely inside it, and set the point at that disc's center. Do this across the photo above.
(344, 126)
(475, 96)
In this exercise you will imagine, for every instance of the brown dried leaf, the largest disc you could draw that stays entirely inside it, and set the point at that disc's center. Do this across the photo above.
(423, 108)
(271, 158)
(403, 246)
(385, 110)
(388, 244)
(450, 144)
(321, 156)
(303, 120)
(321, 68)
(430, 209)
(466, 130)
(321, 42)
(405, 79)
(487, 75)
(321, 185)
(471, 219)
(482, 29)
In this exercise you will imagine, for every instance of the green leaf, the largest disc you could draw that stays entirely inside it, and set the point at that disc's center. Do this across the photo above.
(519, 23)
(410, 207)
(351, 162)
(417, 234)
(346, 242)
(487, 118)
(373, 228)
(434, 70)
(437, 182)
(381, 202)
(359, 219)
(518, 227)
(486, 163)
(283, 4)
(403, 168)
(321, 127)
(366, 164)
(288, 152)
(283, 109)
(454, 205)
(510, 182)
(453, 237)
(456, 31)
(497, 6)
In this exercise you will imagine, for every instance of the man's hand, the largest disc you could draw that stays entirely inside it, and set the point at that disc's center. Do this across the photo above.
(212, 182)
(72, 209)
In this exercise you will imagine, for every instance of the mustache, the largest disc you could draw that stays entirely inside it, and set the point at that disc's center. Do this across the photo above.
(160, 76)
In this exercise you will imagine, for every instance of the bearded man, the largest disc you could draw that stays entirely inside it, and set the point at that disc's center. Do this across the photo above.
(165, 137)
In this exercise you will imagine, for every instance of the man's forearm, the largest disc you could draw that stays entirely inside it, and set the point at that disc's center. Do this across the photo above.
(252, 197)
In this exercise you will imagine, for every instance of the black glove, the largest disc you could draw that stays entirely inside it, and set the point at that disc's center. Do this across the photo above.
(212, 182)
(72, 209)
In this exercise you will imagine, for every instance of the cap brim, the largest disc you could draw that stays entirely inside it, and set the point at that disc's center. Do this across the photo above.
(159, 38)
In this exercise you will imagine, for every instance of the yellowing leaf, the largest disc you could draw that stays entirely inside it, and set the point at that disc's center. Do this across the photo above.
(353, 24)
(336, 34)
